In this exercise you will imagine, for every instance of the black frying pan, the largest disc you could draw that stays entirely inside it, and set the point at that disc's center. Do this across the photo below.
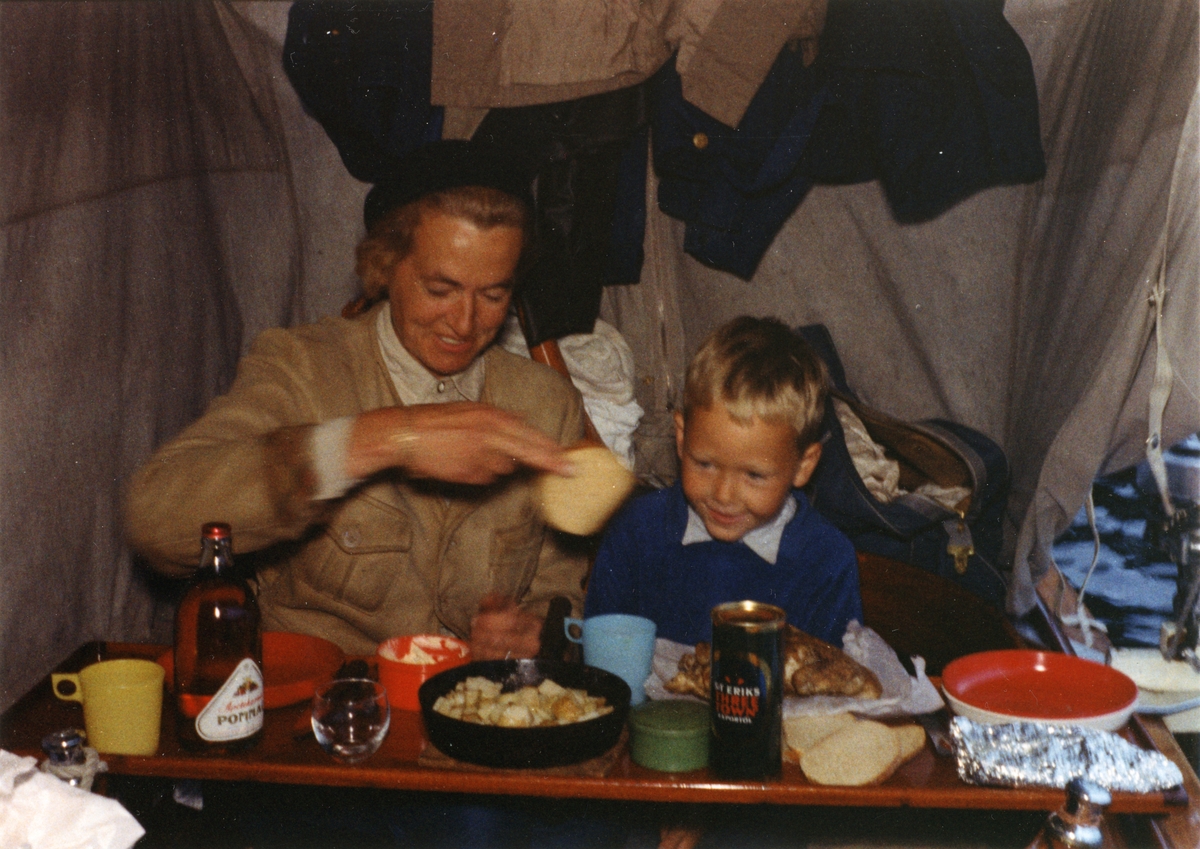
(553, 745)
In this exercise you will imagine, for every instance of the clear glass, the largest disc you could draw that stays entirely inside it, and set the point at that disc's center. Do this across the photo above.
(350, 718)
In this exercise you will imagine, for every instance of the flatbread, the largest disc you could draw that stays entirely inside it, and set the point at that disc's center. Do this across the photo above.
(811, 667)
(584, 502)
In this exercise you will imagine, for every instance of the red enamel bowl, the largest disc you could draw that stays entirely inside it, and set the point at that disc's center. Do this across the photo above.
(293, 666)
(1021, 685)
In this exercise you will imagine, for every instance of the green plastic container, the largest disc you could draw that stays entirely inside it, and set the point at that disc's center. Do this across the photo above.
(669, 735)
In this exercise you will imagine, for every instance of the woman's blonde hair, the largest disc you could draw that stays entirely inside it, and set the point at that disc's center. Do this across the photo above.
(390, 239)
(759, 368)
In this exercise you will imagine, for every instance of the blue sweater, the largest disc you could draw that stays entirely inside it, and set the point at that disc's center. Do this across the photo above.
(643, 568)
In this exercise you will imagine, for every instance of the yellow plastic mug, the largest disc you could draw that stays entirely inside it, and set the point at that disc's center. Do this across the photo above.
(122, 704)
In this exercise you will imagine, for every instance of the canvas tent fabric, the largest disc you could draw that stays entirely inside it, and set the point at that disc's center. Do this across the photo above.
(165, 198)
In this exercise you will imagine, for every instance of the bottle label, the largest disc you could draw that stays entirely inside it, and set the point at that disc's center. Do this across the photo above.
(236, 711)
(738, 690)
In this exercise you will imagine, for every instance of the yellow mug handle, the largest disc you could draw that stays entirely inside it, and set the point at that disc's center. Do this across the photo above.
(75, 695)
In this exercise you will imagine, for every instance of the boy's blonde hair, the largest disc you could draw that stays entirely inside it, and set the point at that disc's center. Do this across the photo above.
(757, 367)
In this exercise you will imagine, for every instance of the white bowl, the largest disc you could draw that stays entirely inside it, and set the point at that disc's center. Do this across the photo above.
(1103, 722)
(1023, 685)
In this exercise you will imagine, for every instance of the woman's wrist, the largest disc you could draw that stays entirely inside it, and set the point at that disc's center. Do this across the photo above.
(403, 443)
(381, 439)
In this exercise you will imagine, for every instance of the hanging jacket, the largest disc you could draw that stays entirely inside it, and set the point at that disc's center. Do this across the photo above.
(934, 98)
(362, 71)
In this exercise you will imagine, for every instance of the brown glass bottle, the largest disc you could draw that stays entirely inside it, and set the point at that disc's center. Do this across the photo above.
(218, 654)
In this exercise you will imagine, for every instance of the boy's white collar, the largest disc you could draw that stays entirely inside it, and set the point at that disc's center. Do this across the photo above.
(763, 540)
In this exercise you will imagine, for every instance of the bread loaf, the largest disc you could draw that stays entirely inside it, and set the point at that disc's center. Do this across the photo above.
(812, 667)
(694, 677)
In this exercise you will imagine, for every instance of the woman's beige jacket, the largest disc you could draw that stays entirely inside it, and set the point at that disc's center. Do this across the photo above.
(392, 556)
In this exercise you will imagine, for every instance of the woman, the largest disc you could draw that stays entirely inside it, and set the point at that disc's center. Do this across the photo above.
(379, 466)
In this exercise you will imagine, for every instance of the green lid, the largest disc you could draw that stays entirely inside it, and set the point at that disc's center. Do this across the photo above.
(671, 717)
(670, 735)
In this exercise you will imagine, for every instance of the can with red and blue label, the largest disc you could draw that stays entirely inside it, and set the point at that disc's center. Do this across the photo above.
(747, 690)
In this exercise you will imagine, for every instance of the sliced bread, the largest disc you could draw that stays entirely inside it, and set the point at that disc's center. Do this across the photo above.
(801, 733)
(911, 738)
(861, 753)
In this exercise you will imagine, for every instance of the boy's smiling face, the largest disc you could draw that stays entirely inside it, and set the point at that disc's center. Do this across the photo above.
(736, 476)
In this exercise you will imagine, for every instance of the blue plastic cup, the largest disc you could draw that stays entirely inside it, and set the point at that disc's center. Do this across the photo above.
(618, 643)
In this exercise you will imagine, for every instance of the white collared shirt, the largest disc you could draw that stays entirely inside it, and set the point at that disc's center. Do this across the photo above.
(414, 383)
(763, 540)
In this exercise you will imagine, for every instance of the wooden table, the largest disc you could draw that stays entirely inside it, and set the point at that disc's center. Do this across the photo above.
(927, 781)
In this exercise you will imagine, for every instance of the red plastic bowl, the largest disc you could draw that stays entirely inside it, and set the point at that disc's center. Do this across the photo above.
(403, 680)
(1037, 686)
(293, 666)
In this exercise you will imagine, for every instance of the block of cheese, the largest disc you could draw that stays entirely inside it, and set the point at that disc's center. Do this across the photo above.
(584, 502)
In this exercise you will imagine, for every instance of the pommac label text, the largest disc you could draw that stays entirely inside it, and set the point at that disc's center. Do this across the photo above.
(236, 711)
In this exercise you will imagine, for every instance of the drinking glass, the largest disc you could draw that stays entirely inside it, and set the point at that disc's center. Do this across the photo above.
(350, 718)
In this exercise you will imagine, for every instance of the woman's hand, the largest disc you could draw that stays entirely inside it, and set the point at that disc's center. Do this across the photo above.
(461, 442)
(501, 630)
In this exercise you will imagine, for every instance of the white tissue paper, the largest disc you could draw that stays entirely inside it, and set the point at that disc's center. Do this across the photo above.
(602, 369)
(903, 694)
(39, 811)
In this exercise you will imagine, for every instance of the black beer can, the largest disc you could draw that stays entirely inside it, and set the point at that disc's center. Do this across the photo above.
(747, 690)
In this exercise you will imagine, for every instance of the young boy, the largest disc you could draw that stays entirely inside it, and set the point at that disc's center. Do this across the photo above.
(735, 525)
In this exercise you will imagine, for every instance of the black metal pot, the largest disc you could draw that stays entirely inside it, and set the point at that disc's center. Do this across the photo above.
(553, 745)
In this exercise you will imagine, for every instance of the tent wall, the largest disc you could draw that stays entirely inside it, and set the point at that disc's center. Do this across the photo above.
(1120, 131)
(1023, 311)
(165, 198)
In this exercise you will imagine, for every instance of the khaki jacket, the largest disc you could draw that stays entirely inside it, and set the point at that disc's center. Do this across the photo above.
(390, 557)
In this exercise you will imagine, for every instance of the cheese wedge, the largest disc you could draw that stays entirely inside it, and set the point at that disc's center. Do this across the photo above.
(584, 502)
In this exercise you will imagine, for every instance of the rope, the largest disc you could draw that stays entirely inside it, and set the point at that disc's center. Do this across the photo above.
(1164, 373)
(1081, 617)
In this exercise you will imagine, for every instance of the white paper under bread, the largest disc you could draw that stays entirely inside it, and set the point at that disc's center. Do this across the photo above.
(1162, 682)
(1151, 671)
(903, 695)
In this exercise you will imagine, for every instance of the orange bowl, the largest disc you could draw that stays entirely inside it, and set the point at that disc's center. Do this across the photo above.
(405, 663)
(293, 666)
